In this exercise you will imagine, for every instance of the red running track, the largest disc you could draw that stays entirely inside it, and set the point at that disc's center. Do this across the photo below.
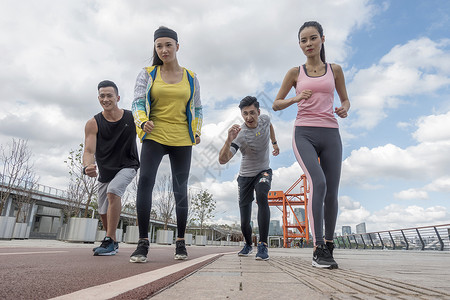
(42, 273)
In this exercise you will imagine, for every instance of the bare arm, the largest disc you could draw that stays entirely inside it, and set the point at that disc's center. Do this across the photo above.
(90, 143)
(276, 149)
(225, 154)
(289, 81)
(341, 90)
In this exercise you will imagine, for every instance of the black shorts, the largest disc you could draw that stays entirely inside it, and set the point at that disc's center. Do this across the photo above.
(247, 186)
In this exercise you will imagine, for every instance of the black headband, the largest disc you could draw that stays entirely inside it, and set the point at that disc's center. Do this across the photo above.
(165, 32)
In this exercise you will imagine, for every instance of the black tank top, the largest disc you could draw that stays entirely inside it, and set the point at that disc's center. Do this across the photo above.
(116, 146)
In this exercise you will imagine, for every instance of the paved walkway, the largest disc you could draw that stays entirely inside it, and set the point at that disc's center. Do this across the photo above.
(362, 274)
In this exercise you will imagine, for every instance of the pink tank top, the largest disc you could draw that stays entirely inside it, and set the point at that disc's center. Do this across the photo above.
(317, 111)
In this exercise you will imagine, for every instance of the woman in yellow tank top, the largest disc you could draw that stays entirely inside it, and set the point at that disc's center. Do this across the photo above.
(168, 116)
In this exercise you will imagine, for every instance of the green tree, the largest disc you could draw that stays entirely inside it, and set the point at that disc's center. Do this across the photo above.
(17, 173)
(165, 201)
(203, 206)
(82, 189)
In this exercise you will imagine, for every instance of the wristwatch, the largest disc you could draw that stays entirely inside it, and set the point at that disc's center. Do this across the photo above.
(274, 143)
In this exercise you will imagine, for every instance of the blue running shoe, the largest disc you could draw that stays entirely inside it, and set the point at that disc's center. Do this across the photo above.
(116, 247)
(246, 250)
(263, 252)
(106, 248)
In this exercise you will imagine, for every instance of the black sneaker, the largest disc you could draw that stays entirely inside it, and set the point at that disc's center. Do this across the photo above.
(330, 246)
(323, 259)
(180, 250)
(246, 250)
(140, 254)
(262, 253)
(106, 248)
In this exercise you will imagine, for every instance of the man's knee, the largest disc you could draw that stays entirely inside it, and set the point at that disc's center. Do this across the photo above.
(113, 198)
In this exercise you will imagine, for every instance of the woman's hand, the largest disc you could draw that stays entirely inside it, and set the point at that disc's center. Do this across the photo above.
(148, 126)
(305, 94)
(341, 112)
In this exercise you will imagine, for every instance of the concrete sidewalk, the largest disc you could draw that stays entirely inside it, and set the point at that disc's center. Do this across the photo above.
(362, 274)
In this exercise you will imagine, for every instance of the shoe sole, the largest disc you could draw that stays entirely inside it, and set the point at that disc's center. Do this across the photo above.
(245, 255)
(138, 259)
(105, 253)
(316, 265)
(260, 258)
(180, 257)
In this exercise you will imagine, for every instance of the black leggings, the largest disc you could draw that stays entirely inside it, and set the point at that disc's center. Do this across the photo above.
(247, 186)
(180, 164)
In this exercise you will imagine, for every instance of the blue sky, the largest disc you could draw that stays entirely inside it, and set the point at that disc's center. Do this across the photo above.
(395, 56)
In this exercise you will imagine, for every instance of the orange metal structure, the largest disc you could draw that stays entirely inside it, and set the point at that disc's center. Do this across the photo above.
(287, 200)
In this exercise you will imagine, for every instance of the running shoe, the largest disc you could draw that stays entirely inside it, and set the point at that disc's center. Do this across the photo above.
(106, 248)
(330, 246)
(263, 252)
(180, 250)
(140, 254)
(116, 247)
(322, 258)
(246, 250)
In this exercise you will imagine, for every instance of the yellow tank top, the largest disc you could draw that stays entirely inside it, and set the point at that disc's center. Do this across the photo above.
(168, 111)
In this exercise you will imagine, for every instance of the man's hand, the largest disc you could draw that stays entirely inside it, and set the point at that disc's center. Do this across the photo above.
(91, 170)
(276, 150)
(233, 132)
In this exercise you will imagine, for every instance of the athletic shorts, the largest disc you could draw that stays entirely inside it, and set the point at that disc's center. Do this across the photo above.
(116, 186)
(247, 186)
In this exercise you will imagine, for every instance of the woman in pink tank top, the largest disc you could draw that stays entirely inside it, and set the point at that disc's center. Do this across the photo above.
(316, 140)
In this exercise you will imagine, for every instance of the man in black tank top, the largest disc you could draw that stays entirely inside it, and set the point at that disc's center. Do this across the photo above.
(110, 145)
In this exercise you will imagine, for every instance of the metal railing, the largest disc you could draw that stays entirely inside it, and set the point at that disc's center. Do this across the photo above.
(420, 238)
(37, 188)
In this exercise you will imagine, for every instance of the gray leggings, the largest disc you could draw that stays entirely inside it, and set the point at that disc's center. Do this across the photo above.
(310, 144)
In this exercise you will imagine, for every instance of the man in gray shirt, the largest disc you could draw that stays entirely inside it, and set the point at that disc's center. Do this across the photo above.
(255, 175)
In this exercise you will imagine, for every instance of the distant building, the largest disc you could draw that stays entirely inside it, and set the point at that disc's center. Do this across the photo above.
(361, 228)
(346, 230)
(300, 213)
(275, 228)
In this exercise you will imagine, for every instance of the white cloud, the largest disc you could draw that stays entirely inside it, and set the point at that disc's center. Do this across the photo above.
(433, 128)
(411, 194)
(391, 217)
(441, 184)
(386, 162)
(419, 67)
(368, 167)
(52, 60)
(397, 217)
(346, 203)
(350, 213)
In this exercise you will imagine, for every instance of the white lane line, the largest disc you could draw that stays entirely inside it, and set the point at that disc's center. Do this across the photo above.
(115, 288)
(41, 252)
